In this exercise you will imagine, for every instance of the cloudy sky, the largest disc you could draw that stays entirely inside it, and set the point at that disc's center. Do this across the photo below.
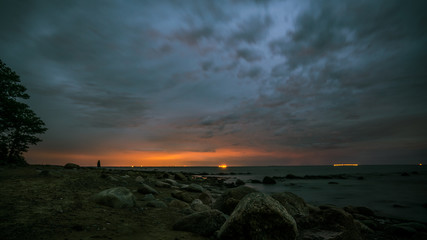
(209, 82)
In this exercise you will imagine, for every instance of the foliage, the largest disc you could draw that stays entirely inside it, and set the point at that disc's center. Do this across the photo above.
(18, 123)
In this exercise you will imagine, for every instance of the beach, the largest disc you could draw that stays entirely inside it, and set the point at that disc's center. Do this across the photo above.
(54, 202)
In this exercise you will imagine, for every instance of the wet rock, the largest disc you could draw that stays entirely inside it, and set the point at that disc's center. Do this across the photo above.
(187, 211)
(332, 183)
(171, 182)
(372, 224)
(184, 196)
(194, 188)
(175, 203)
(259, 216)
(291, 176)
(71, 166)
(363, 228)
(162, 184)
(359, 210)
(338, 220)
(268, 180)
(230, 198)
(180, 176)
(139, 179)
(198, 206)
(206, 198)
(294, 204)
(148, 197)
(405, 174)
(145, 189)
(156, 204)
(239, 182)
(204, 223)
(111, 178)
(119, 197)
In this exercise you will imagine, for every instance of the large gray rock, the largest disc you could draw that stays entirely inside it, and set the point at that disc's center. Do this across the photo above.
(194, 188)
(180, 176)
(145, 189)
(206, 198)
(184, 196)
(119, 197)
(338, 220)
(229, 199)
(203, 223)
(259, 216)
(162, 184)
(198, 206)
(268, 180)
(71, 166)
(175, 203)
(295, 205)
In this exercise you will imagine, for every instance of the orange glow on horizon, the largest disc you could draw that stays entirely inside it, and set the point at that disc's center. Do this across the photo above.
(223, 166)
(155, 158)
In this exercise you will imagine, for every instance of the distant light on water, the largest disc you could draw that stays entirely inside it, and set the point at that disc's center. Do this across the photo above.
(346, 165)
(223, 166)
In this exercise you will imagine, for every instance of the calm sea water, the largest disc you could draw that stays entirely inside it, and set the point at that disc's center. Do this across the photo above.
(383, 188)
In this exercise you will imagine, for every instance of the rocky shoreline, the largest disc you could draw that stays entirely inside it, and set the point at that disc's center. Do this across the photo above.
(72, 202)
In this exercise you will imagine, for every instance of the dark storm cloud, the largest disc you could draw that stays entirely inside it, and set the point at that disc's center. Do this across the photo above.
(248, 54)
(252, 30)
(331, 78)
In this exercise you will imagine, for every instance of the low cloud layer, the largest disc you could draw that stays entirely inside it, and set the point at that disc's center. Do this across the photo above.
(267, 82)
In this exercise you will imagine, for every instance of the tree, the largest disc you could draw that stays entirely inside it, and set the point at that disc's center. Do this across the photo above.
(18, 123)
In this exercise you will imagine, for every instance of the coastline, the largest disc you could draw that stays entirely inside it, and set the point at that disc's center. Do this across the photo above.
(50, 202)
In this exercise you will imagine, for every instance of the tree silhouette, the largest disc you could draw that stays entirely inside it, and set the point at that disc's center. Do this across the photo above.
(18, 123)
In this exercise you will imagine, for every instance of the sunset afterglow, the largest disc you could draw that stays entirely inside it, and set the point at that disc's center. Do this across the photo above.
(257, 83)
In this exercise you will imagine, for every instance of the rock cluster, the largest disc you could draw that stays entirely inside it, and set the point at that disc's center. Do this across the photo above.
(241, 212)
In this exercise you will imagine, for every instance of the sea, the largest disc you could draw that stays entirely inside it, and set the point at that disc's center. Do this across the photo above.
(397, 191)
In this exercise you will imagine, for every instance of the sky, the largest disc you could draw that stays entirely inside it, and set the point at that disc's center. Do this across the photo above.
(199, 83)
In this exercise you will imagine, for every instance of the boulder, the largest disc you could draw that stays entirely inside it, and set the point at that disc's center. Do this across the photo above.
(230, 198)
(162, 184)
(145, 189)
(239, 182)
(338, 220)
(294, 204)
(148, 197)
(171, 182)
(180, 176)
(139, 179)
(175, 203)
(204, 223)
(268, 180)
(259, 216)
(184, 196)
(119, 197)
(194, 188)
(206, 198)
(198, 206)
(71, 166)
(359, 210)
